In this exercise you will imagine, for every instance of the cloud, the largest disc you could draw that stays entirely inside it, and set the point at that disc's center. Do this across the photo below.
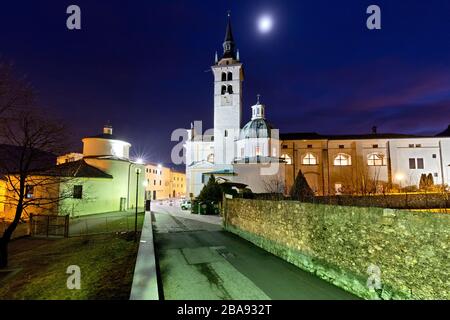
(394, 96)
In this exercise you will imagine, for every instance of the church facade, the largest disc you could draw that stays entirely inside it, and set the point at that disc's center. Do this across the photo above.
(257, 156)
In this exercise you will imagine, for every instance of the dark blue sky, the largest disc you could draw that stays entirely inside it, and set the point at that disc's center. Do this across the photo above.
(144, 65)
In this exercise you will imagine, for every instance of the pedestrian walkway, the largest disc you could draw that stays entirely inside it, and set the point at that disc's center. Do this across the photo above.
(198, 260)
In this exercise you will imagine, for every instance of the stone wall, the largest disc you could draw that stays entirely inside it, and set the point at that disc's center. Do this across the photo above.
(394, 201)
(339, 244)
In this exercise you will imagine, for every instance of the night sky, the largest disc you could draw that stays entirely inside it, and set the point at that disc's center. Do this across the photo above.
(144, 66)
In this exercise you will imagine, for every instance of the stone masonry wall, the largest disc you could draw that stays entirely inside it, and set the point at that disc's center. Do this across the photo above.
(393, 201)
(339, 244)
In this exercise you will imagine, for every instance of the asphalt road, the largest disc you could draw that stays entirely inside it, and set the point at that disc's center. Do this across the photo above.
(198, 260)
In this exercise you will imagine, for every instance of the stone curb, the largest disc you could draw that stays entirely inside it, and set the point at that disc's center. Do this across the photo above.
(145, 279)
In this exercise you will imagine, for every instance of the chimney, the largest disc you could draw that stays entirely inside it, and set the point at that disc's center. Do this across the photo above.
(107, 129)
(374, 130)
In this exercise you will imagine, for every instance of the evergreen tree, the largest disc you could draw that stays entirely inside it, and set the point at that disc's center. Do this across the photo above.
(423, 181)
(211, 192)
(430, 180)
(301, 190)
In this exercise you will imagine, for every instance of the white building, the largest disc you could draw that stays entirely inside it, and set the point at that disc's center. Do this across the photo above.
(255, 155)
(106, 178)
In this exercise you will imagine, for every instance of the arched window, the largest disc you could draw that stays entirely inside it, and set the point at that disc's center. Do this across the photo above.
(230, 76)
(343, 159)
(224, 89)
(225, 133)
(224, 76)
(309, 160)
(286, 158)
(376, 159)
(230, 89)
(210, 158)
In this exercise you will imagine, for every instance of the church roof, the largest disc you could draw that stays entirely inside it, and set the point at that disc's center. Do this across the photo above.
(77, 169)
(229, 32)
(316, 136)
(229, 50)
(257, 128)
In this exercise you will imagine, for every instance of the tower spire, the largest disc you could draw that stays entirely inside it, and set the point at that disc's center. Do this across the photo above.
(228, 44)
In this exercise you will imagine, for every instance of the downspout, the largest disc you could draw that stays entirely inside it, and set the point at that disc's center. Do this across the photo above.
(328, 165)
(442, 164)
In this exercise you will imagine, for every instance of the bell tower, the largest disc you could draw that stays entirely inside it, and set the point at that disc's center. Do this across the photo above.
(228, 78)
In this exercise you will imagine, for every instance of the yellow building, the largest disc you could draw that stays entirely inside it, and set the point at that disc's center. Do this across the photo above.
(164, 183)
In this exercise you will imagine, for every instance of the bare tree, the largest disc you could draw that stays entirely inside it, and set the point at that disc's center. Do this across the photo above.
(29, 142)
(274, 187)
(15, 93)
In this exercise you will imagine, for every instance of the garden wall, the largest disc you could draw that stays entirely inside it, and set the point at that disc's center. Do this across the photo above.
(339, 244)
(394, 201)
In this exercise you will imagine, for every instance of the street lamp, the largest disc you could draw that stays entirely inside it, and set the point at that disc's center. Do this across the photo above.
(138, 171)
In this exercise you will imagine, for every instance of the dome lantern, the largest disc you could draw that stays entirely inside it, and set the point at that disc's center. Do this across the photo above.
(258, 110)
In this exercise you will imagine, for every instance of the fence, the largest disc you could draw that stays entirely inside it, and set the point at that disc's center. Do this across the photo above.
(101, 225)
(49, 225)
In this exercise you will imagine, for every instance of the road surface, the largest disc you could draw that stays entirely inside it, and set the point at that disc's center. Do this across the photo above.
(198, 260)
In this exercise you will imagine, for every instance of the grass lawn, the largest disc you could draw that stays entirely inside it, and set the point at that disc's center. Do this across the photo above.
(98, 225)
(106, 262)
(120, 224)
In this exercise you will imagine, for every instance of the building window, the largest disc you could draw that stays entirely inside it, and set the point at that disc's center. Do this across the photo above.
(375, 146)
(310, 146)
(418, 146)
(420, 163)
(230, 89)
(258, 150)
(224, 76)
(286, 158)
(341, 146)
(436, 175)
(78, 192)
(225, 133)
(224, 90)
(412, 163)
(230, 76)
(284, 146)
(376, 159)
(160, 182)
(154, 182)
(411, 146)
(434, 156)
(309, 160)
(29, 191)
(342, 159)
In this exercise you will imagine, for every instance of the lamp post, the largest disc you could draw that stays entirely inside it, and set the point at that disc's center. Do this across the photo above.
(138, 171)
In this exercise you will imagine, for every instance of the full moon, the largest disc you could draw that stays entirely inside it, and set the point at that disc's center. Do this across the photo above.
(265, 24)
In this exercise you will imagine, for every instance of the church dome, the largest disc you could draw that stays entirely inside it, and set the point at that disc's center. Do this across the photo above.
(256, 128)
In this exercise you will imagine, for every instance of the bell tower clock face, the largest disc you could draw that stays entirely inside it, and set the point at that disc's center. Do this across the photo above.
(227, 100)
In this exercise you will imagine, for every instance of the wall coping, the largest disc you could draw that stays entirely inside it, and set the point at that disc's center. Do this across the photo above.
(145, 278)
